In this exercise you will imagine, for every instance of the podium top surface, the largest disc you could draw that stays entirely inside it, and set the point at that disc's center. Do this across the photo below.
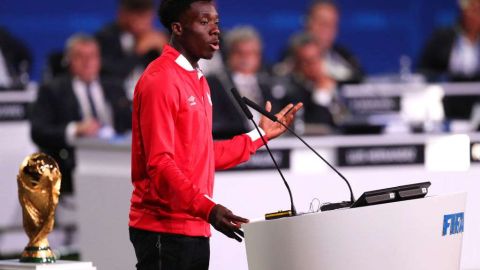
(346, 211)
(420, 234)
(63, 265)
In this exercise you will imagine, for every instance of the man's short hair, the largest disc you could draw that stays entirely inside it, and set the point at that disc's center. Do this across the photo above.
(298, 41)
(316, 3)
(240, 34)
(136, 5)
(74, 40)
(171, 10)
(464, 4)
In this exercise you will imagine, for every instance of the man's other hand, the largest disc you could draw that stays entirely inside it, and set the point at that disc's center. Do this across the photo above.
(224, 221)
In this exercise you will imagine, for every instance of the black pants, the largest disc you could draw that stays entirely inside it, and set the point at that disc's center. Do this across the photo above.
(161, 251)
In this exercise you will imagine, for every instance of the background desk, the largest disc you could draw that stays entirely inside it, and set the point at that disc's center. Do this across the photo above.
(104, 188)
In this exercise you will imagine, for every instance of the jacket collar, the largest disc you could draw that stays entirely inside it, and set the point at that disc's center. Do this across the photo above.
(181, 60)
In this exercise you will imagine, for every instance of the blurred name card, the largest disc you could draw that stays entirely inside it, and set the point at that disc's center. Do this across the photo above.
(13, 111)
(14, 105)
(380, 155)
(373, 105)
(262, 161)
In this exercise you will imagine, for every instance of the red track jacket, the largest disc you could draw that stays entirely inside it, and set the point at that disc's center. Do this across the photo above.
(174, 156)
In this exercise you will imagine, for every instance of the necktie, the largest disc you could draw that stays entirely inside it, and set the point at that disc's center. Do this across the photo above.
(90, 101)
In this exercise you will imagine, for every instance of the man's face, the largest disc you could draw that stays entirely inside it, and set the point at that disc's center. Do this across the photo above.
(136, 22)
(471, 16)
(308, 62)
(199, 34)
(245, 57)
(85, 61)
(323, 25)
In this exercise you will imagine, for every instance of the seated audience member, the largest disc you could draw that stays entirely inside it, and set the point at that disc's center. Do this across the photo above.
(80, 104)
(244, 59)
(454, 52)
(311, 84)
(132, 42)
(322, 24)
(15, 61)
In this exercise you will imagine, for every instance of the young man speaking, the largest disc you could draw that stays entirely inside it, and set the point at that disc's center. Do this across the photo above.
(173, 154)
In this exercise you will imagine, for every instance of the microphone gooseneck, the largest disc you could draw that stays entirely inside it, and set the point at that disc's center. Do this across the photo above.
(272, 117)
(249, 115)
(292, 206)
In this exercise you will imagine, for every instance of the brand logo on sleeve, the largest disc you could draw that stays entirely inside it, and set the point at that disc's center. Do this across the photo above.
(191, 101)
(453, 224)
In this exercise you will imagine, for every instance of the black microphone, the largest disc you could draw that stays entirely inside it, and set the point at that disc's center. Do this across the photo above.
(272, 117)
(249, 115)
(259, 109)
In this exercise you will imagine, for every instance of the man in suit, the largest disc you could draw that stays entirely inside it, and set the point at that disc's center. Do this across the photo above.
(310, 84)
(454, 52)
(15, 61)
(243, 59)
(322, 22)
(131, 43)
(80, 104)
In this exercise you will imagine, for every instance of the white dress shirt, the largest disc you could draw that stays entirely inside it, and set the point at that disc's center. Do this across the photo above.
(465, 57)
(103, 109)
(323, 97)
(127, 41)
(5, 79)
(337, 67)
(247, 85)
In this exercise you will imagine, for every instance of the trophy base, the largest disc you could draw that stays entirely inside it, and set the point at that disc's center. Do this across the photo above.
(63, 265)
(37, 255)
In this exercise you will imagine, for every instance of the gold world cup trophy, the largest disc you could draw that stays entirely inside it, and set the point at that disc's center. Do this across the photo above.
(38, 180)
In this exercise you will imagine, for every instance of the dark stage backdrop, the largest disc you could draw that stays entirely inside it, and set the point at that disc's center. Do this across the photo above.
(377, 31)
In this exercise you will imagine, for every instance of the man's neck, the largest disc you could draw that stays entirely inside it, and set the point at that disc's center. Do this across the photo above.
(178, 46)
(472, 36)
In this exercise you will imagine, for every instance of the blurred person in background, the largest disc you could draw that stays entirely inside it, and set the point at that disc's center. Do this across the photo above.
(132, 42)
(322, 24)
(79, 104)
(311, 84)
(15, 61)
(243, 48)
(454, 52)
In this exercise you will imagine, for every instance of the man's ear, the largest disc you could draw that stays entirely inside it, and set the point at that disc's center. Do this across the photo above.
(177, 29)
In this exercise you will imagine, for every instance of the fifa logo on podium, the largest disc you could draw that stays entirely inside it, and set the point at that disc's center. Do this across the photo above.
(453, 224)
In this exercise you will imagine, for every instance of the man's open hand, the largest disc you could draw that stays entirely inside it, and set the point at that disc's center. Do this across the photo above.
(286, 116)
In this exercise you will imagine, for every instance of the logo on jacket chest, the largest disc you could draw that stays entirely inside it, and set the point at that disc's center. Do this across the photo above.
(192, 101)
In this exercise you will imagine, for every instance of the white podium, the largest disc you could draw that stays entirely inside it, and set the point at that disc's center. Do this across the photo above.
(422, 234)
(59, 265)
